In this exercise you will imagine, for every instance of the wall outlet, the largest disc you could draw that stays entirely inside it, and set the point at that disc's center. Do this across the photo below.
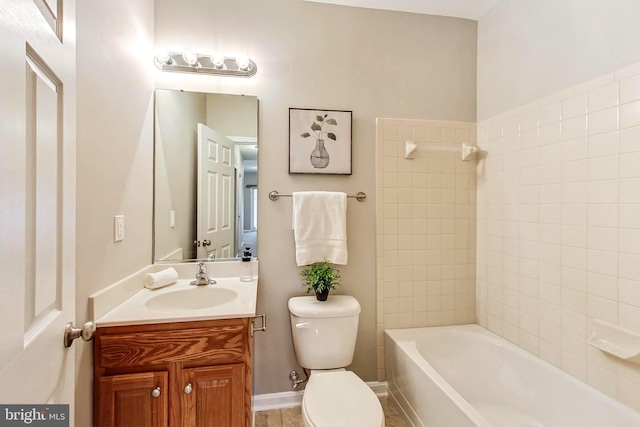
(118, 228)
(172, 219)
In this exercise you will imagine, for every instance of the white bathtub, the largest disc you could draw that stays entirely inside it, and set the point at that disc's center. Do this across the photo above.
(457, 376)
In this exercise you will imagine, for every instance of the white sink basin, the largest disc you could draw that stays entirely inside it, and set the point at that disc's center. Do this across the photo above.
(130, 303)
(191, 298)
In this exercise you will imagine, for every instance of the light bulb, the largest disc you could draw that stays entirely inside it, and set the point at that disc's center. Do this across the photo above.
(218, 60)
(243, 62)
(164, 58)
(190, 57)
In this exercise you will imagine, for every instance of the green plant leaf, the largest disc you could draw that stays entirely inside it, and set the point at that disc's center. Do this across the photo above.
(315, 126)
(319, 118)
(305, 135)
(331, 122)
(331, 136)
(320, 276)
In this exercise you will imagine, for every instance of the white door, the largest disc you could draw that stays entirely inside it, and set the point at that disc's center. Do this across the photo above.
(239, 215)
(216, 205)
(37, 200)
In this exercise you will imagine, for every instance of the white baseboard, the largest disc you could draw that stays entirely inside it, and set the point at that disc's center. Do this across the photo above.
(379, 388)
(286, 399)
(292, 399)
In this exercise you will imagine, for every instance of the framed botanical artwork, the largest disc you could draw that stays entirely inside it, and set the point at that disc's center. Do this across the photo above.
(319, 141)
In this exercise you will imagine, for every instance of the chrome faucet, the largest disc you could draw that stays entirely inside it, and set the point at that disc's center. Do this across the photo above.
(201, 276)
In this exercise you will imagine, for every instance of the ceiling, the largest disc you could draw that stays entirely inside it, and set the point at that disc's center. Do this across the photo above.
(467, 9)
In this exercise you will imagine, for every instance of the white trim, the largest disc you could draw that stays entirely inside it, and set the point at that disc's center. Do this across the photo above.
(287, 399)
(175, 255)
(243, 139)
(379, 388)
(292, 399)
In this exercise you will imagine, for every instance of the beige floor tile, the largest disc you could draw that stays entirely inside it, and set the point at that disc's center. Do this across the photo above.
(269, 418)
(291, 417)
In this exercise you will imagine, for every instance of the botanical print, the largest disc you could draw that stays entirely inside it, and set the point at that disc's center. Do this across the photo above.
(319, 141)
(320, 156)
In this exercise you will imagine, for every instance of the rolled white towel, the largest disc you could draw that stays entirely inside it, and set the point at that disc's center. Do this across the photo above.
(161, 278)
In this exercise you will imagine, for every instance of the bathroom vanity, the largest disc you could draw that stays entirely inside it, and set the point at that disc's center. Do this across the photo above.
(174, 374)
(179, 356)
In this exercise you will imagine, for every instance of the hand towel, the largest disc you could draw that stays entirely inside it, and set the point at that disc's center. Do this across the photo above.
(161, 278)
(320, 227)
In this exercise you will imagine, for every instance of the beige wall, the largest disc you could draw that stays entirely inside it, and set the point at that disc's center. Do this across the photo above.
(114, 157)
(375, 63)
(426, 226)
(300, 65)
(530, 49)
(233, 115)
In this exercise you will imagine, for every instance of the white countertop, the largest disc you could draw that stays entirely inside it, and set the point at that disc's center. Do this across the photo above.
(238, 300)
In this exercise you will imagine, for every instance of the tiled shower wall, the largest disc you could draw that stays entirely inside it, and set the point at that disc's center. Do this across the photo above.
(426, 227)
(559, 226)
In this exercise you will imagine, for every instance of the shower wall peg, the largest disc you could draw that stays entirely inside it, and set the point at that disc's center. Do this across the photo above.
(466, 150)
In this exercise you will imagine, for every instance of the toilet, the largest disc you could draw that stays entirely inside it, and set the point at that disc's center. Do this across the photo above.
(324, 338)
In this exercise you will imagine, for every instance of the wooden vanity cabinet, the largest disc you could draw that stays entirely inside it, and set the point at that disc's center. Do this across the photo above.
(187, 374)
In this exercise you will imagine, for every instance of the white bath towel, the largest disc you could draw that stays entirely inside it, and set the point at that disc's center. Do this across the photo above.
(320, 227)
(161, 278)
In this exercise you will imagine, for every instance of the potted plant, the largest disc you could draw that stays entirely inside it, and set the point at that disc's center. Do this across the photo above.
(320, 277)
(320, 156)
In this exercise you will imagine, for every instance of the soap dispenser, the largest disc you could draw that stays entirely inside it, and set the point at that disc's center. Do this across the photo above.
(245, 276)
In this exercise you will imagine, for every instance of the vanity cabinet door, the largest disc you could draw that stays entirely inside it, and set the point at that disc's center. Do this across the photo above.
(214, 396)
(133, 400)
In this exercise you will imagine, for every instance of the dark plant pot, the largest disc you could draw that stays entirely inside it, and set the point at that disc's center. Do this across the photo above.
(322, 296)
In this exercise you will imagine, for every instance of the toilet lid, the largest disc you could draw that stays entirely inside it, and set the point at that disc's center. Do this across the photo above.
(341, 399)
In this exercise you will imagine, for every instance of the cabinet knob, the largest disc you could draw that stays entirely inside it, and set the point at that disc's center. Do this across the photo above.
(188, 388)
(155, 392)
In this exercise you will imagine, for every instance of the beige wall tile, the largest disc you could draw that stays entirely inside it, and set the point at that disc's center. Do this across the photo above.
(572, 250)
(428, 233)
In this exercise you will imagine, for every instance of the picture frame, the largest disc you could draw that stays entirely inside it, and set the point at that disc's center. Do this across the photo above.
(320, 141)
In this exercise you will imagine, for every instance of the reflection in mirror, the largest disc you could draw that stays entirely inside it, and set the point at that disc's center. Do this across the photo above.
(205, 175)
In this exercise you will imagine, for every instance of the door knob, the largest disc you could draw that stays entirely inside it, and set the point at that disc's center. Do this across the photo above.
(206, 242)
(155, 392)
(87, 332)
(196, 243)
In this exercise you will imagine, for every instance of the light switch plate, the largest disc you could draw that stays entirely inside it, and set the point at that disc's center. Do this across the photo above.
(118, 228)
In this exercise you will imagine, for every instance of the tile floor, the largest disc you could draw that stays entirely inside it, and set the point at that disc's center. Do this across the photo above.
(291, 417)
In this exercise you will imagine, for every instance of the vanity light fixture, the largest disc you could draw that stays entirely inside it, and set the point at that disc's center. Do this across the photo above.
(189, 61)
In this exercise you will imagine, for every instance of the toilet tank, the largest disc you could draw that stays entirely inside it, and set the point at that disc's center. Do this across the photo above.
(324, 332)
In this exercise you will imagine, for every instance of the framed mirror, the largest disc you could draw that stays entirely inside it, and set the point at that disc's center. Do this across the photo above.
(205, 176)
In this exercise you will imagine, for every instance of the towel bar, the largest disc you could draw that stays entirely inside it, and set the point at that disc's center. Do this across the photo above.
(274, 195)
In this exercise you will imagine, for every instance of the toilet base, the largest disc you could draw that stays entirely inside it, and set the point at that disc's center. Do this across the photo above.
(339, 398)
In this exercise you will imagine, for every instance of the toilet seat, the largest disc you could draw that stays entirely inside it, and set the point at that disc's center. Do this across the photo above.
(340, 399)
